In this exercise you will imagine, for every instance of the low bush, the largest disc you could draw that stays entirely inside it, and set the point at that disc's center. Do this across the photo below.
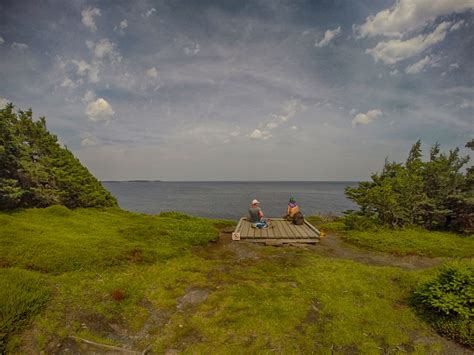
(360, 222)
(447, 301)
(22, 294)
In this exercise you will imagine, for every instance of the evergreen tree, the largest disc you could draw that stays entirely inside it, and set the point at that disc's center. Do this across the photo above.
(35, 171)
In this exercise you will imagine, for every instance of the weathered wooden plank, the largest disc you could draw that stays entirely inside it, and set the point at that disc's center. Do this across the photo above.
(312, 228)
(287, 229)
(238, 229)
(245, 229)
(310, 231)
(278, 230)
(282, 240)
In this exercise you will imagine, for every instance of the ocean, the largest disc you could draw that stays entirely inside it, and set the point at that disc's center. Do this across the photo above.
(230, 200)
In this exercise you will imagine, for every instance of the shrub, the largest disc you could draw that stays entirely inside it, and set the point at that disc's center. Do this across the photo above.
(22, 295)
(360, 222)
(447, 301)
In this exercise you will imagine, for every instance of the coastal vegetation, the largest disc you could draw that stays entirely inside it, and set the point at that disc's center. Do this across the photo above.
(435, 194)
(35, 171)
(163, 283)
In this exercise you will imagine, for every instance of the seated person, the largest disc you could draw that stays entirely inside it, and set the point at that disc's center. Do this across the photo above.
(292, 209)
(256, 215)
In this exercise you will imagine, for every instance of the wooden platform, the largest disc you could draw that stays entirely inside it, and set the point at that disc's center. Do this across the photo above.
(280, 231)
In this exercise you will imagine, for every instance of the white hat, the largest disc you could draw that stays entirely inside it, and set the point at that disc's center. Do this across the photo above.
(255, 201)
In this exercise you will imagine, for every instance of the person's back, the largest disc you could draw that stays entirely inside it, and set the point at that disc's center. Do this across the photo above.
(254, 212)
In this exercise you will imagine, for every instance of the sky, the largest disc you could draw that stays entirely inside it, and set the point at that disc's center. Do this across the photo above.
(242, 90)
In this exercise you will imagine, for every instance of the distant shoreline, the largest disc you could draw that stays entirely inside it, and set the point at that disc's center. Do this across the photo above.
(235, 181)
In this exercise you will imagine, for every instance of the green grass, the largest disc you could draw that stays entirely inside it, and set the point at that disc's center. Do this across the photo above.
(413, 241)
(122, 278)
(408, 241)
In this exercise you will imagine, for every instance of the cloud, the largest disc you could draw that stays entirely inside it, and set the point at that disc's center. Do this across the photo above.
(294, 128)
(19, 46)
(2, 41)
(89, 96)
(290, 109)
(453, 66)
(419, 66)
(149, 12)
(328, 37)
(467, 104)
(123, 24)
(91, 70)
(353, 111)
(68, 83)
(260, 135)
(3, 102)
(395, 50)
(104, 48)
(394, 72)
(409, 15)
(152, 73)
(88, 140)
(457, 25)
(99, 110)
(88, 17)
(235, 133)
(366, 118)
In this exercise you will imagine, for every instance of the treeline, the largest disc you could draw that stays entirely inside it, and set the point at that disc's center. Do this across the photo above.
(35, 171)
(435, 194)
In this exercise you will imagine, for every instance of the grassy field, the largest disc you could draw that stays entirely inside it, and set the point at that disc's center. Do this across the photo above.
(156, 282)
(409, 241)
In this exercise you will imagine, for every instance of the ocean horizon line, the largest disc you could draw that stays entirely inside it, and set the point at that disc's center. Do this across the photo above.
(239, 181)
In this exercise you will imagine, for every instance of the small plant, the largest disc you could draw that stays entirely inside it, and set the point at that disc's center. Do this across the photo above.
(360, 222)
(448, 301)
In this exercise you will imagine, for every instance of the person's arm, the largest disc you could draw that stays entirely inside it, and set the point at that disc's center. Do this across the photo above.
(260, 213)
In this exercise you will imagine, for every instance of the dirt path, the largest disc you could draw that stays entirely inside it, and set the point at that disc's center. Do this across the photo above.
(333, 246)
(330, 246)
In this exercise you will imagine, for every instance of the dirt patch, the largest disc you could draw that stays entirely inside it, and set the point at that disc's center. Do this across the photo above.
(193, 296)
(333, 246)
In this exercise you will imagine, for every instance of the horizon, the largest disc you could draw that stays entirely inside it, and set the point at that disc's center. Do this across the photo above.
(250, 91)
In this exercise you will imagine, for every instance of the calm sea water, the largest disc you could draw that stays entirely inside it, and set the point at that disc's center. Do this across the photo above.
(230, 200)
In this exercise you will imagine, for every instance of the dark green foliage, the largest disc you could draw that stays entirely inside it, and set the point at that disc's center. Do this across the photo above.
(435, 194)
(448, 301)
(36, 172)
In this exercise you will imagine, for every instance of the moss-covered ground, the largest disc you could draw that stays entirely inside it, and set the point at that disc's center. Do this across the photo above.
(165, 284)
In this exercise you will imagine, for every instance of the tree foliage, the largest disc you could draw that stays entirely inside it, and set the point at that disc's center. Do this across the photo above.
(435, 194)
(35, 171)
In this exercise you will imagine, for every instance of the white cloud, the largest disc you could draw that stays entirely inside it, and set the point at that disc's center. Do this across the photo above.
(123, 24)
(99, 110)
(453, 66)
(192, 49)
(260, 135)
(294, 128)
(328, 37)
(366, 118)
(457, 25)
(419, 66)
(152, 73)
(394, 72)
(467, 104)
(149, 12)
(104, 48)
(19, 46)
(235, 133)
(3, 102)
(89, 96)
(395, 50)
(88, 140)
(409, 15)
(2, 41)
(88, 18)
(68, 83)
(91, 70)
